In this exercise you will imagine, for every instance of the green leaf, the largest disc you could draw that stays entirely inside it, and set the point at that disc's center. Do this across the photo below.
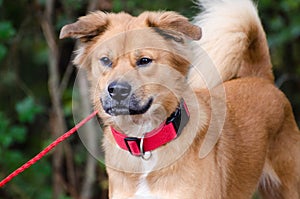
(27, 110)
(6, 30)
(9, 133)
(13, 134)
(277, 23)
(3, 51)
(4, 123)
(5, 138)
(19, 133)
(12, 159)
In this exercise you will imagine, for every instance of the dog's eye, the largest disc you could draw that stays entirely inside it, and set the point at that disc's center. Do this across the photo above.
(105, 61)
(143, 61)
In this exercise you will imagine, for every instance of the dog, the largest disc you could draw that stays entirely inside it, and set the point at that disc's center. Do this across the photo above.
(185, 116)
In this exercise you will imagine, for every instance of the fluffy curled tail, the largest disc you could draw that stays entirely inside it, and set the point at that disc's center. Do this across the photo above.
(234, 39)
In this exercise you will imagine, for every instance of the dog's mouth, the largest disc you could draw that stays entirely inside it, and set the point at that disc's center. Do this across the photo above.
(133, 107)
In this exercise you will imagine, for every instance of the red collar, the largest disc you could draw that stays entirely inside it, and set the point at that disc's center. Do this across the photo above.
(168, 131)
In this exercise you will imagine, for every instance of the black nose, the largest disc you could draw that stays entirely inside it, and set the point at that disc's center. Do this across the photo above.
(119, 90)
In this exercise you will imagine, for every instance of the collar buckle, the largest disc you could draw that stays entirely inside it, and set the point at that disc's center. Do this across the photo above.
(179, 118)
(134, 146)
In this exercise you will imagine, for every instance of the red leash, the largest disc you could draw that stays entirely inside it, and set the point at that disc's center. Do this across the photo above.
(46, 150)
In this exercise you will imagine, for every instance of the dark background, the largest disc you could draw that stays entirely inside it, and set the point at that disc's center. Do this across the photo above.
(36, 86)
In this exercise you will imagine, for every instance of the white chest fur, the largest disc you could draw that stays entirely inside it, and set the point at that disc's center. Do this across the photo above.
(143, 190)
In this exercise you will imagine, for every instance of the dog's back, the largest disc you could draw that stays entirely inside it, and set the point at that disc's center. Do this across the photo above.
(235, 43)
(234, 39)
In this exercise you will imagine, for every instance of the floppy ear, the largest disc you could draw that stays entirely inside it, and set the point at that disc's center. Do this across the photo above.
(86, 27)
(174, 22)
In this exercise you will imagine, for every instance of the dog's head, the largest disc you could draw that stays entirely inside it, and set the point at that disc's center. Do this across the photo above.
(137, 65)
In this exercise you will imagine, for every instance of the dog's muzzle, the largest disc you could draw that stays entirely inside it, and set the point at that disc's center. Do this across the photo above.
(121, 100)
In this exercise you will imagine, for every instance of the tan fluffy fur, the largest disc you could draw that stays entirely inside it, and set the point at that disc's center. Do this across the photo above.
(233, 39)
(259, 141)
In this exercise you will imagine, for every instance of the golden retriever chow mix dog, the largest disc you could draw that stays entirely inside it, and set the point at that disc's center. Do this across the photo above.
(176, 127)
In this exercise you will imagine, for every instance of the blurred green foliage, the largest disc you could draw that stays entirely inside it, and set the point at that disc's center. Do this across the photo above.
(284, 23)
(136, 7)
(27, 110)
(24, 97)
(6, 32)
(13, 141)
(281, 20)
(10, 134)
